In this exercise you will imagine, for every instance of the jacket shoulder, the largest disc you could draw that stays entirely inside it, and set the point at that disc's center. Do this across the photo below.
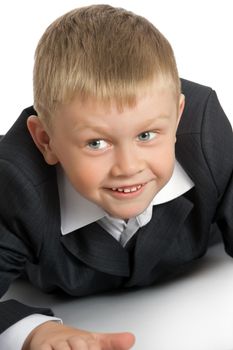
(196, 97)
(204, 135)
(17, 148)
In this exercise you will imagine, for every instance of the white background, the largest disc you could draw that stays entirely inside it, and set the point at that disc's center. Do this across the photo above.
(201, 33)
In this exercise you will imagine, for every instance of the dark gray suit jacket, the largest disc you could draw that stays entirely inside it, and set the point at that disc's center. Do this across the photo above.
(90, 260)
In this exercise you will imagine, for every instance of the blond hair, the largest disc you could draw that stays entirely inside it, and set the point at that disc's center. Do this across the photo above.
(100, 52)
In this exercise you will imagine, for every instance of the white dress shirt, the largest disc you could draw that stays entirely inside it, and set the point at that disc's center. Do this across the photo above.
(87, 213)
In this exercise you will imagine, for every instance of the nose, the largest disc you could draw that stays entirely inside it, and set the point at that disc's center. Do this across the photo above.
(127, 162)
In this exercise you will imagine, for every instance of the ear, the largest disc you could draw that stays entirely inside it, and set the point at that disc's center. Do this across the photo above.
(41, 139)
(181, 107)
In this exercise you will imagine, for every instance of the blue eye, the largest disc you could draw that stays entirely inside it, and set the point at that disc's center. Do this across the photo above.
(147, 136)
(97, 144)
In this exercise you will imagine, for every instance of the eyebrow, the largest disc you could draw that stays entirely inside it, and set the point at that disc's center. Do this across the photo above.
(104, 129)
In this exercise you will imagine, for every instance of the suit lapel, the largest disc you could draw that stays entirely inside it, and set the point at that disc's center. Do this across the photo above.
(157, 236)
(98, 249)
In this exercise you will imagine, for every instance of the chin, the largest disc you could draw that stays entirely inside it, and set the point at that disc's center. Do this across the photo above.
(127, 214)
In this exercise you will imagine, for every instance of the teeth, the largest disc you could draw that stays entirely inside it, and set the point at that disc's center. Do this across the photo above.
(127, 190)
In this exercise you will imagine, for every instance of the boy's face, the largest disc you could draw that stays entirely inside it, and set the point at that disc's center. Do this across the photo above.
(118, 160)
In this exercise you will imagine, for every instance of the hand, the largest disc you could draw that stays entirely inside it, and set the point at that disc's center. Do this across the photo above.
(55, 336)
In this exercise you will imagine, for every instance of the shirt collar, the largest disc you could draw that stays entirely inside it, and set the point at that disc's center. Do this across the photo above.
(76, 211)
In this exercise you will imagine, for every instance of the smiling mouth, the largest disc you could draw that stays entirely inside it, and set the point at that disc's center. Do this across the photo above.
(129, 189)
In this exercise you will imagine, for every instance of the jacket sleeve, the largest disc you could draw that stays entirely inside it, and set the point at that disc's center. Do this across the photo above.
(218, 149)
(225, 217)
(18, 207)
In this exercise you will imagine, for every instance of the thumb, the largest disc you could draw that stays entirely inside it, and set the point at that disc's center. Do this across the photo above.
(117, 341)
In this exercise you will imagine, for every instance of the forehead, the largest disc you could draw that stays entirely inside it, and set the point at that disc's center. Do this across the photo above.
(154, 99)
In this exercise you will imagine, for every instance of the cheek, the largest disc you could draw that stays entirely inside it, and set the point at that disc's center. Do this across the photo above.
(86, 175)
(86, 179)
(163, 164)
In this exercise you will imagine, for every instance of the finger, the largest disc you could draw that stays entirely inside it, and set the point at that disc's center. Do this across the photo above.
(94, 345)
(78, 343)
(62, 345)
(116, 341)
(42, 347)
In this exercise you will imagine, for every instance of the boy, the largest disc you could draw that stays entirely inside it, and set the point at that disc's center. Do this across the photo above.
(108, 182)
